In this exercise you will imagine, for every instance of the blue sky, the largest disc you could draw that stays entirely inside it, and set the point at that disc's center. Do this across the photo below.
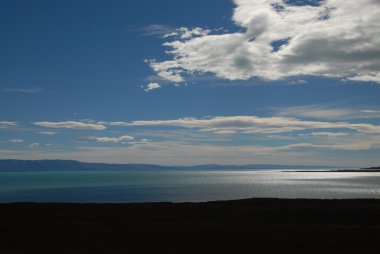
(191, 82)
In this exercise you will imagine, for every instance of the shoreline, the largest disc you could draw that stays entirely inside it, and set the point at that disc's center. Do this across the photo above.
(219, 202)
(264, 225)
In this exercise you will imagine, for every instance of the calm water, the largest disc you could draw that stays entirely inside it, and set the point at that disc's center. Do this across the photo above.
(175, 186)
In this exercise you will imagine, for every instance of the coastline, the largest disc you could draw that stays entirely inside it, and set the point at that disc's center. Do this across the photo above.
(263, 225)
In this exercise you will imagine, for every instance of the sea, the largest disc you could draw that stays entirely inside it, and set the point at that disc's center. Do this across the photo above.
(183, 186)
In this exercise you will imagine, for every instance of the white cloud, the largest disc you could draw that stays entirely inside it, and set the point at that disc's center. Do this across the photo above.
(24, 90)
(157, 30)
(152, 86)
(174, 153)
(356, 146)
(326, 112)
(7, 124)
(120, 139)
(370, 111)
(71, 125)
(338, 38)
(298, 82)
(320, 112)
(142, 141)
(16, 140)
(34, 145)
(48, 133)
(330, 134)
(185, 33)
(252, 124)
(168, 70)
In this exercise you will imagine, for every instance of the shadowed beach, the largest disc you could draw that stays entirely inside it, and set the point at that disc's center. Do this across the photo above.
(242, 226)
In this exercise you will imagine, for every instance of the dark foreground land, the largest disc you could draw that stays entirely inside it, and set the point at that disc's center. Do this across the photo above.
(245, 226)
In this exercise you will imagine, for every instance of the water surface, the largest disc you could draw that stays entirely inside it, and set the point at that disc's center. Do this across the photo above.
(183, 186)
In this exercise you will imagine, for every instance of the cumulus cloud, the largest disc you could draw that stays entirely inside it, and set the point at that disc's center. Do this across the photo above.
(185, 33)
(253, 124)
(168, 70)
(120, 139)
(334, 38)
(152, 86)
(72, 125)
(7, 124)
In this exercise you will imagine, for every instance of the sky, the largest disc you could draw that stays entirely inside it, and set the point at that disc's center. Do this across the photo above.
(191, 82)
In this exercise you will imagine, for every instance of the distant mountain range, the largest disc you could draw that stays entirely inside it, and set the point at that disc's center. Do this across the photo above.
(71, 165)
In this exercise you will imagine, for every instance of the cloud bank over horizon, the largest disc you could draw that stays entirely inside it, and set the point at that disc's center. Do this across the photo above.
(308, 136)
(281, 39)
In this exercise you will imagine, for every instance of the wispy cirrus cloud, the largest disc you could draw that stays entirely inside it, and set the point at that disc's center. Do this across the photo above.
(298, 82)
(16, 140)
(7, 124)
(156, 30)
(318, 112)
(332, 38)
(327, 112)
(344, 146)
(34, 145)
(252, 124)
(166, 31)
(330, 134)
(47, 133)
(121, 139)
(371, 111)
(24, 90)
(71, 125)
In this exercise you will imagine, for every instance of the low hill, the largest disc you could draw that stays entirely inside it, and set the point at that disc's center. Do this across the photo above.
(373, 168)
(70, 165)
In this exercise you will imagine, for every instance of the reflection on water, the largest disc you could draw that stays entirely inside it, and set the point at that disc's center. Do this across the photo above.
(179, 186)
